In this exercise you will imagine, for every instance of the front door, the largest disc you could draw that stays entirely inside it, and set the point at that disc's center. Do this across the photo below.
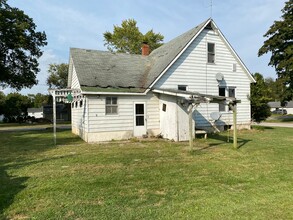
(139, 119)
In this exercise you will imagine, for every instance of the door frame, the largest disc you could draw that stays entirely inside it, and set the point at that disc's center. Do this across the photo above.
(139, 131)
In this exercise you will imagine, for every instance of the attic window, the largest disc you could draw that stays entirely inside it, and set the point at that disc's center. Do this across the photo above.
(211, 53)
(182, 87)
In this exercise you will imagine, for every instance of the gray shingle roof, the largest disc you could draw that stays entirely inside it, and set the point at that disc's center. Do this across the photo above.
(100, 69)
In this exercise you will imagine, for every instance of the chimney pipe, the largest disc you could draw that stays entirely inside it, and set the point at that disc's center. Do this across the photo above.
(145, 49)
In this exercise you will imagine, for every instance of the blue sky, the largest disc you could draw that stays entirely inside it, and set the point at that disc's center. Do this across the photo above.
(81, 24)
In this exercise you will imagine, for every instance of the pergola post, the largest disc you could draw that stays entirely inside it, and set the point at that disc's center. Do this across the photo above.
(190, 107)
(235, 127)
(234, 109)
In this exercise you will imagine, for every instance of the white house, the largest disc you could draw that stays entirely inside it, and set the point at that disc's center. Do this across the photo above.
(277, 105)
(35, 112)
(126, 95)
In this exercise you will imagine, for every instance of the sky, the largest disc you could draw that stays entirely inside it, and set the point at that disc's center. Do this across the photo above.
(81, 24)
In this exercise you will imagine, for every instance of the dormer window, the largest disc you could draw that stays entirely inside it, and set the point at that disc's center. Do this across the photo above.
(211, 53)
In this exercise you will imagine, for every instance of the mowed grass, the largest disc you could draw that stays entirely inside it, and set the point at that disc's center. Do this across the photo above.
(152, 179)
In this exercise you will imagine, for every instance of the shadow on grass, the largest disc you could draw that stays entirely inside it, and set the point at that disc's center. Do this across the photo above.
(18, 150)
(220, 139)
(10, 187)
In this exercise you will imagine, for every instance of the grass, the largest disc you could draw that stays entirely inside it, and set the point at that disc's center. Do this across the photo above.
(147, 179)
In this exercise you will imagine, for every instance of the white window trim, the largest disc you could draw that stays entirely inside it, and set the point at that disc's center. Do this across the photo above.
(227, 94)
(207, 56)
(111, 114)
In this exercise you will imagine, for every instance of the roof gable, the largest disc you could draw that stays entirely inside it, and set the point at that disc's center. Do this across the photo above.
(102, 70)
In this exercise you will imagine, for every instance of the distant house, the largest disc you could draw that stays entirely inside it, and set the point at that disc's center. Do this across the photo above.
(126, 95)
(277, 105)
(35, 112)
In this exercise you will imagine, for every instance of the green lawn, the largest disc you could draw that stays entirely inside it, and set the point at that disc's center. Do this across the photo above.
(147, 179)
(280, 118)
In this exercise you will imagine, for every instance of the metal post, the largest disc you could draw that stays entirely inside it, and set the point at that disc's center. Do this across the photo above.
(54, 116)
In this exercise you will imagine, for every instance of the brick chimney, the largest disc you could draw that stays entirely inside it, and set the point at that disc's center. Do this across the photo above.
(145, 49)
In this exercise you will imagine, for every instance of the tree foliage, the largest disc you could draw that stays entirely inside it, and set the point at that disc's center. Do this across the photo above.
(16, 105)
(280, 44)
(277, 90)
(19, 48)
(128, 39)
(58, 74)
(259, 98)
(38, 100)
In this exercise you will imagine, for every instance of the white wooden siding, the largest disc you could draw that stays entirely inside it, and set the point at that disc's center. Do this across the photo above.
(124, 120)
(79, 116)
(75, 83)
(192, 69)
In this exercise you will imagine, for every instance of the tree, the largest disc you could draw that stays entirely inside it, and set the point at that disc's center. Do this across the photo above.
(58, 74)
(38, 100)
(259, 99)
(280, 44)
(2, 102)
(128, 38)
(16, 105)
(277, 90)
(19, 48)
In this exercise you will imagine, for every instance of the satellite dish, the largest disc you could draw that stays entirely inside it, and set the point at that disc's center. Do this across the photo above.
(219, 76)
(216, 115)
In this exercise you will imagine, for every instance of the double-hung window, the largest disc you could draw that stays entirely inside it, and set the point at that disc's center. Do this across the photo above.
(211, 53)
(111, 106)
(230, 93)
(222, 92)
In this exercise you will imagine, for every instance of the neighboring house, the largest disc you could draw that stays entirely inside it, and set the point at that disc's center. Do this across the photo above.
(277, 105)
(126, 95)
(35, 112)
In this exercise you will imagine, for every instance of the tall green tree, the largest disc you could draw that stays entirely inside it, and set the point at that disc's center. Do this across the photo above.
(2, 102)
(38, 100)
(280, 44)
(16, 105)
(259, 98)
(277, 90)
(19, 48)
(58, 74)
(128, 39)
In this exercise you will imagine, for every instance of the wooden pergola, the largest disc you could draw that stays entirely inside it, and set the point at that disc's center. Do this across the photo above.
(193, 99)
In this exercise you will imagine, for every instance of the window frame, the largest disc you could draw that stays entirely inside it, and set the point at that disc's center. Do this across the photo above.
(212, 53)
(111, 105)
(182, 86)
(222, 107)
